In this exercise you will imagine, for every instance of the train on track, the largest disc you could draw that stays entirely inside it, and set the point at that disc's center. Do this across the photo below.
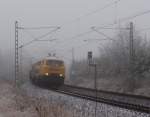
(49, 71)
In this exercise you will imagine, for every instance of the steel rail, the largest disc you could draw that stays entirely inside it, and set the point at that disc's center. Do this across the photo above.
(107, 97)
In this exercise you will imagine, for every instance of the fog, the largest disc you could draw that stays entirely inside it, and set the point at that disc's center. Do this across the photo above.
(74, 17)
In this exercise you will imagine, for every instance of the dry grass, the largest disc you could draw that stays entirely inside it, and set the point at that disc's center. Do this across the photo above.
(41, 107)
(46, 108)
(16, 102)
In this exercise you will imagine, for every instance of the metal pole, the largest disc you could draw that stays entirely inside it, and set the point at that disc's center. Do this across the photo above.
(72, 67)
(92, 64)
(95, 84)
(73, 55)
(16, 61)
(16, 54)
(131, 48)
(21, 62)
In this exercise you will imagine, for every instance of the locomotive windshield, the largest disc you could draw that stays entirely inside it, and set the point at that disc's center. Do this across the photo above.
(55, 62)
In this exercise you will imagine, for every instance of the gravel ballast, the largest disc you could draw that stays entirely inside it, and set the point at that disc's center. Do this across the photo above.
(80, 107)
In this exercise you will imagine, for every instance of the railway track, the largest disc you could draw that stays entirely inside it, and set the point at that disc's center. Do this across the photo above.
(127, 101)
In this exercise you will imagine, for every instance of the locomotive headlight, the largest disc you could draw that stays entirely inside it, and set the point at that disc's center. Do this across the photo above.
(46, 74)
(60, 75)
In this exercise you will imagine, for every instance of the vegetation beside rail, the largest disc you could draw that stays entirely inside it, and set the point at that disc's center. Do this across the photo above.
(114, 66)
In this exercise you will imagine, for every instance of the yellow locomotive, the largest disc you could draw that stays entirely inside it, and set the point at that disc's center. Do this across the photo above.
(49, 71)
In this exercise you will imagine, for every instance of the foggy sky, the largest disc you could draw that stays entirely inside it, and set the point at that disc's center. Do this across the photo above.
(62, 13)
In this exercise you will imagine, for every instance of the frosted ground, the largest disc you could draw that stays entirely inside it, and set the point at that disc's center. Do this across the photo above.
(8, 107)
(37, 102)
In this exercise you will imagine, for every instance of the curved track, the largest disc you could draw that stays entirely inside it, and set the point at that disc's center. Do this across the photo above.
(131, 102)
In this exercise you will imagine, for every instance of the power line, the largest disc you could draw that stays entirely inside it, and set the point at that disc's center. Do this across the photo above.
(47, 27)
(40, 37)
(110, 28)
(76, 36)
(94, 12)
(136, 15)
(88, 32)
(127, 18)
(144, 29)
(48, 40)
(81, 34)
(30, 34)
(102, 34)
(120, 20)
(37, 28)
(98, 39)
(91, 13)
(85, 33)
(99, 10)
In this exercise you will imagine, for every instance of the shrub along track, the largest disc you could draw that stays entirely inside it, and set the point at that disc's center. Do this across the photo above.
(132, 102)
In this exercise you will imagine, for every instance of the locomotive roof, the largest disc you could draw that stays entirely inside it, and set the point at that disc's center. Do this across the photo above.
(53, 58)
(48, 58)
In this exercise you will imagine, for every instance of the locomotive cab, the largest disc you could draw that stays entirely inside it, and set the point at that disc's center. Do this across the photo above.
(48, 71)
